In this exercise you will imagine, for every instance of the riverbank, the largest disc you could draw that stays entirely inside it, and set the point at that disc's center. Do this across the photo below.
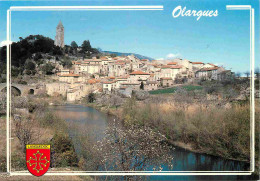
(34, 123)
(144, 114)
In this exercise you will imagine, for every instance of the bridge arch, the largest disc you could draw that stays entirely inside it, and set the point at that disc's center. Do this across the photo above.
(14, 90)
(31, 91)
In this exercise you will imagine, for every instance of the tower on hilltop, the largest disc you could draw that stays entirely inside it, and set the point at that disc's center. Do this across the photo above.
(59, 38)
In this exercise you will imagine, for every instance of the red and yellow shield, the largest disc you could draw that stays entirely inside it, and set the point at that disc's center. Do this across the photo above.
(38, 159)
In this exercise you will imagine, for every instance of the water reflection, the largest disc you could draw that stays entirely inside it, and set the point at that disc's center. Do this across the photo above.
(92, 123)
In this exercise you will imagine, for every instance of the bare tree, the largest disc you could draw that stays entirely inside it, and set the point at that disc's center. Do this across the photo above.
(133, 149)
(247, 73)
(238, 74)
(23, 130)
(115, 100)
(257, 72)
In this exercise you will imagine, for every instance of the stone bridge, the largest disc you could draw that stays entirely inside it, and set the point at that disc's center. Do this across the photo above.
(20, 88)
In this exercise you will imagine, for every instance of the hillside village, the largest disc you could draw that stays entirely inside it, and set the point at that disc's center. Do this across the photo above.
(74, 72)
(46, 73)
(108, 74)
(120, 73)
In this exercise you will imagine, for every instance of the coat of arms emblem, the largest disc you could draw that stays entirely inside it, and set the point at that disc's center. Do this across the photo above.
(38, 159)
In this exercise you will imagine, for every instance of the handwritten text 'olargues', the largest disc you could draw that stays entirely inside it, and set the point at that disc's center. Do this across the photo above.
(178, 11)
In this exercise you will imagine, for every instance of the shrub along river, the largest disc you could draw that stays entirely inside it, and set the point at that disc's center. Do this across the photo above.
(87, 120)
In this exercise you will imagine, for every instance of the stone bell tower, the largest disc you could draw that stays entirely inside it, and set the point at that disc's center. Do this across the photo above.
(59, 38)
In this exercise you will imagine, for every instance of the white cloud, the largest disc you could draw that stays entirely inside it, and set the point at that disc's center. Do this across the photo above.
(4, 43)
(172, 55)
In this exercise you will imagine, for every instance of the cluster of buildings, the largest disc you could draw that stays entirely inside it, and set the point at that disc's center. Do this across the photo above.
(108, 74)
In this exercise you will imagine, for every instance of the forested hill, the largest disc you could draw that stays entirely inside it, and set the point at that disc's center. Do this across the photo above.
(25, 49)
(29, 55)
(33, 46)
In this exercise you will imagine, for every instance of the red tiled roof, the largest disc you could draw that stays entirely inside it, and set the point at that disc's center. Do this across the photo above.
(144, 60)
(172, 63)
(109, 82)
(197, 62)
(139, 73)
(92, 81)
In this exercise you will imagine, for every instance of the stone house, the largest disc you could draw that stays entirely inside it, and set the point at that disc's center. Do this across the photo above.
(70, 78)
(209, 73)
(209, 65)
(121, 80)
(166, 82)
(53, 89)
(64, 71)
(90, 68)
(116, 68)
(225, 75)
(138, 76)
(108, 86)
(196, 65)
(150, 85)
(170, 71)
(78, 91)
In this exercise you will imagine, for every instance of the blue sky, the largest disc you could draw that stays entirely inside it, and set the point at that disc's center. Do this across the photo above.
(223, 40)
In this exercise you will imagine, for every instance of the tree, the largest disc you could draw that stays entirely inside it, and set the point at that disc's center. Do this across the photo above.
(23, 130)
(30, 65)
(66, 62)
(257, 72)
(86, 46)
(91, 97)
(48, 68)
(133, 148)
(74, 45)
(247, 73)
(113, 55)
(238, 74)
(142, 85)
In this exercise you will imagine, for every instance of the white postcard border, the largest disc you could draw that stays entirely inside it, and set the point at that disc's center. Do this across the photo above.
(109, 8)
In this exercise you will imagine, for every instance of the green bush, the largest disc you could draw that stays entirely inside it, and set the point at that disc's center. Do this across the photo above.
(91, 97)
(63, 151)
(18, 162)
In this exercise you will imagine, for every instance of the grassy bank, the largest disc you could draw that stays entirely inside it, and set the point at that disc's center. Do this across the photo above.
(208, 129)
(173, 89)
(34, 123)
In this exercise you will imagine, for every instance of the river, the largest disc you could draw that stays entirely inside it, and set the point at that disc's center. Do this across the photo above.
(86, 120)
